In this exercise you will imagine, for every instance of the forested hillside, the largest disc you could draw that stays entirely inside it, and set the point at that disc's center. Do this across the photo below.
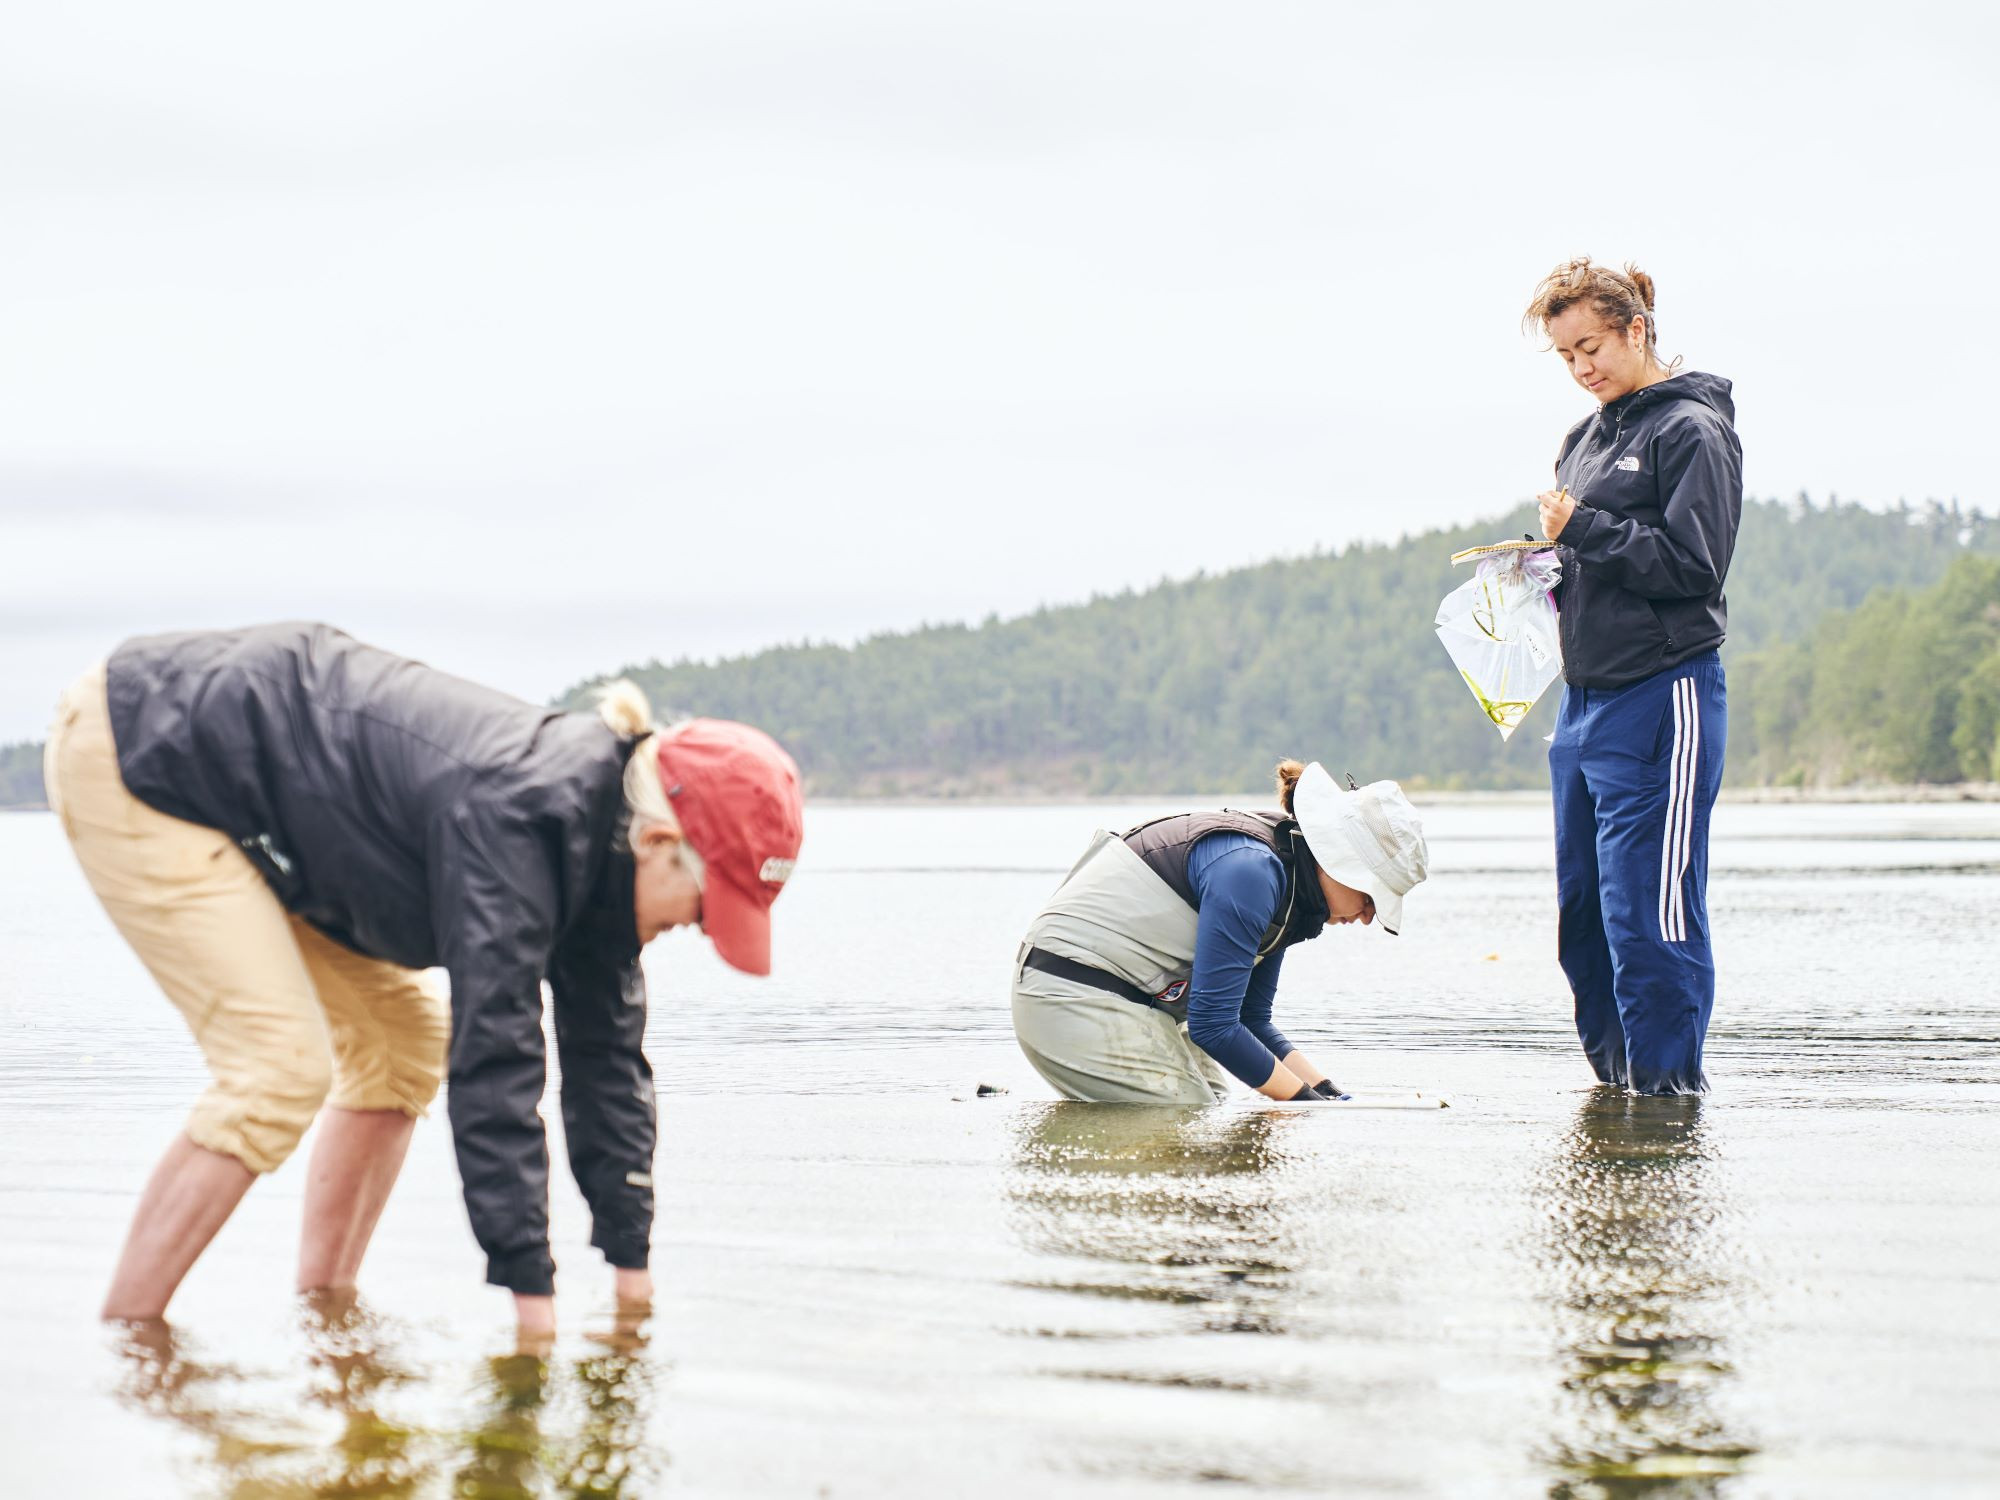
(1199, 685)
(1904, 689)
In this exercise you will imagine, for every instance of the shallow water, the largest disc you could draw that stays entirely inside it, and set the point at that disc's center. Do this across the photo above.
(875, 1283)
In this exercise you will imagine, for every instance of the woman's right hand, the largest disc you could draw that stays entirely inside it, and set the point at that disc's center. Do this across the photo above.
(1555, 507)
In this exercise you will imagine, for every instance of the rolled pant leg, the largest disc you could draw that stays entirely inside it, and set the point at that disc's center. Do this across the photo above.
(1097, 1046)
(390, 1027)
(1654, 764)
(1581, 945)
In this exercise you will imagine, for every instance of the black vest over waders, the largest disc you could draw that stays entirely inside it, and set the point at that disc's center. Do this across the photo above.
(1165, 844)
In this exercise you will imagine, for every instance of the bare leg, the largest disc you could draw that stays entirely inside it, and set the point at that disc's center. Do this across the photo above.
(192, 1193)
(354, 1165)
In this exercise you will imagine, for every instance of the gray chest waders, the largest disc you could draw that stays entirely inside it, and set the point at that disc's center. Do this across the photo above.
(1101, 981)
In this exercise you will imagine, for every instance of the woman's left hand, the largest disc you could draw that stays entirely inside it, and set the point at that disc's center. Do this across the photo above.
(1557, 507)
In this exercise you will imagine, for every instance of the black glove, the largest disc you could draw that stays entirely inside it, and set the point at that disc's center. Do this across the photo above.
(1306, 1095)
(1328, 1089)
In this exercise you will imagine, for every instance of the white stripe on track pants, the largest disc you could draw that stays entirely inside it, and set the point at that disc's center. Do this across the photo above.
(1634, 772)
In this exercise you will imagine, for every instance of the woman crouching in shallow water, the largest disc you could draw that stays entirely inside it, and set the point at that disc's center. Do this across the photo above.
(286, 825)
(1158, 956)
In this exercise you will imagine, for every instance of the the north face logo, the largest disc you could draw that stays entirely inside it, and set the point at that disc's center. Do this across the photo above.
(1629, 465)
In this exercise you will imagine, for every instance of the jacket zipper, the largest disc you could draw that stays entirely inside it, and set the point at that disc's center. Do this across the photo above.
(1617, 437)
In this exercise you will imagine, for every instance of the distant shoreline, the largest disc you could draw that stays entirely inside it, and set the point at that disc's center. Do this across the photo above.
(1957, 791)
(1965, 791)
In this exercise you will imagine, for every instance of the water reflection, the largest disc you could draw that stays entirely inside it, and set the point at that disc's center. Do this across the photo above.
(1164, 1227)
(1644, 1289)
(512, 1453)
(354, 1376)
(1165, 1205)
(540, 1427)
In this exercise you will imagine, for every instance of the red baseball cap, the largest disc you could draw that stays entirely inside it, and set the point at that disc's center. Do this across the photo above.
(737, 796)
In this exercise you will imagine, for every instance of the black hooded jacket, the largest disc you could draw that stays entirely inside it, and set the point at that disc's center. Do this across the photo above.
(421, 819)
(1658, 481)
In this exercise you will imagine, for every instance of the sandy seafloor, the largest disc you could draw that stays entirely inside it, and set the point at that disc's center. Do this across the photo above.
(874, 1283)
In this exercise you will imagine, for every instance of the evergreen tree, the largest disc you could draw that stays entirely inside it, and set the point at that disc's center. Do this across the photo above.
(1905, 688)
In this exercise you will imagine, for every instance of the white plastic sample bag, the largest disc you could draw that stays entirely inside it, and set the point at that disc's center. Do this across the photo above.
(1500, 628)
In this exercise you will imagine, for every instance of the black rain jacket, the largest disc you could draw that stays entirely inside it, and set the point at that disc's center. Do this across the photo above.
(1658, 481)
(419, 818)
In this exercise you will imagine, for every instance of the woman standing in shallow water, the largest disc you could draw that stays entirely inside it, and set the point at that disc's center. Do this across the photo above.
(1648, 495)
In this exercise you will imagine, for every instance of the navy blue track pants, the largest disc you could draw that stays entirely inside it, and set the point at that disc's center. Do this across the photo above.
(1635, 771)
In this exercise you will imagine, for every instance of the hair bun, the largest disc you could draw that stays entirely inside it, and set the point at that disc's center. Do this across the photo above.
(1289, 772)
(622, 705)
(1643, 282)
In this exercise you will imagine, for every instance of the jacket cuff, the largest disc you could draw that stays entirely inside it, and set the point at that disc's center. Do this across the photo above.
(1574, 528)
(628, 1252)
(531, 1273)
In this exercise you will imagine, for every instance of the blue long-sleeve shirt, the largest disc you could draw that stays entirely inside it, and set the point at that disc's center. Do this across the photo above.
(1238, 883)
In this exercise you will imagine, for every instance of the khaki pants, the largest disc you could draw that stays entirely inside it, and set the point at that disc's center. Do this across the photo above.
(286, 1017)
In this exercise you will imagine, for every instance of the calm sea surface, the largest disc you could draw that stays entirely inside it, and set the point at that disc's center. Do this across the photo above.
(875, 1283)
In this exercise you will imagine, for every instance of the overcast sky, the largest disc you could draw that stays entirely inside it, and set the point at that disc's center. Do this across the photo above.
(537, 339)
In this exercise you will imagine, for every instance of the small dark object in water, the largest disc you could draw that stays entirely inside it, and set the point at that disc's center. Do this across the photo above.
(989, 1088)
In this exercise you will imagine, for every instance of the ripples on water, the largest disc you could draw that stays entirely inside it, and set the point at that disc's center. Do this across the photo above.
(1214, 1218)
(874, 1283)
(1181, 1202)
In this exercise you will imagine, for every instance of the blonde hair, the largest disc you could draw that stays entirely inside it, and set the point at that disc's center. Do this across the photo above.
(622, 705)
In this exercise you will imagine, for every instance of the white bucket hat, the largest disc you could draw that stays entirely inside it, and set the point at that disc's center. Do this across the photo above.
(1370, 839)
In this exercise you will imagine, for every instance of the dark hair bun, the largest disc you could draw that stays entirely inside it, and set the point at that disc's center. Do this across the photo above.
(1289, 772)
